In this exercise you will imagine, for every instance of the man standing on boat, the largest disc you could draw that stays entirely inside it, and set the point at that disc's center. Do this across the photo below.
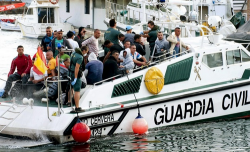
(76, 68)
(71, 40)
(129, 36)
(151, 36)
(111, 33)
(176, 43)
(92, 42)
(23, 64)
(47, 39)
(139, 47)
(111, 47)
(80, 37)
(161, 44)
(60, 39)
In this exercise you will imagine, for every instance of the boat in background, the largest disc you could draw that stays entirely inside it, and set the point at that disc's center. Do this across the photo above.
(39, 16)
(9, 26)
(176, 11)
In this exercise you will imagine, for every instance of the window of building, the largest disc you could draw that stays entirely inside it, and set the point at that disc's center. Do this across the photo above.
(30, 11)
(87, 7)
(237, 56)
(213, 60)
(67, 6)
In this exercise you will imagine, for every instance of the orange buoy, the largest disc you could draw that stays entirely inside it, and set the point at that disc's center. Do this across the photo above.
(81, 132)
(140, 125)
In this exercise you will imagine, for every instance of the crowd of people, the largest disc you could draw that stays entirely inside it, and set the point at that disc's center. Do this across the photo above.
(123, 53)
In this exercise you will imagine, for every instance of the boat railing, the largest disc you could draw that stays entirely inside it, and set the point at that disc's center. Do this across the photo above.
(111, 78)
(60, 103)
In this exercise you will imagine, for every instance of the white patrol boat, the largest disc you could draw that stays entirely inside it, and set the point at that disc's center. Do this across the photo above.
(40, 15)
(208, 82)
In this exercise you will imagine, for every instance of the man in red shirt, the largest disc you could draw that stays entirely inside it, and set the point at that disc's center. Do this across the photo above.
(23, 64)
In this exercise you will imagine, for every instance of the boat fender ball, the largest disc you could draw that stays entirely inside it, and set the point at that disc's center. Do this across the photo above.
(81, 132)
(140, 125)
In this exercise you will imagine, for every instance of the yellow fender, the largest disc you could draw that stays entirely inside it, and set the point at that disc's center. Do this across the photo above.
(154, 80)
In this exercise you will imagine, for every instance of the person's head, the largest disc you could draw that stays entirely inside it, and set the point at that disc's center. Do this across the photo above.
(132, 48)
(108, 44)
(112, 23)
(97, 33)
(82, 31)
(70, 35)
(129, 29)
(177, 31)
(59, 34)
(61, 52)
(151, 24)
(49, 31)
(49, 55)
(20, 50)
(67, 62)
(137, 38)
(115, 54)
(92, 57)
(55, 34)
(121, 37)
(84, 50)
(124, 54)
(126, 44)
(160, 35)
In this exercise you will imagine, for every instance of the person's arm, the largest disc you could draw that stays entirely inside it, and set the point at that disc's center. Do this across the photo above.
(184, 45)
(145, 35)
(87, 41)
(106, 57)
(12, 67)
(144, 59)
(172, 39)
(77, 70)
(31, 78)
(139, 62)
(37, 81)
(42, 45)
(27, 70)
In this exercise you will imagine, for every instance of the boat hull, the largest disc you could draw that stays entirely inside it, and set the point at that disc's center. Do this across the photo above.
(10, 27)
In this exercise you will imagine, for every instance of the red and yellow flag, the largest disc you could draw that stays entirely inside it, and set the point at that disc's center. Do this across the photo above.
(40, 63)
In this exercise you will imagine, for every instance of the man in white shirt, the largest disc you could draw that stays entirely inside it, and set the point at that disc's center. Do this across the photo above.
(71, 40)
(138, 59)
(36, 81)
(92, 42)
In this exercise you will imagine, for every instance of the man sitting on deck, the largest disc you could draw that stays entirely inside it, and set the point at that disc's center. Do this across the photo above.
(36, 81)
(138, 59)
(176, 43)
(23, 64)
(126, 61)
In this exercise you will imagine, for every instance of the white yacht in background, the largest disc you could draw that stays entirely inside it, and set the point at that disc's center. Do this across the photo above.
(40, 15)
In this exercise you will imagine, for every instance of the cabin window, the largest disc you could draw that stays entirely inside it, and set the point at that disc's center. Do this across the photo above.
(42, 15)
(67, 5)
(30, 11)
(233, 57)
(245, 57)
(213, 60)
(51, 15)
(87, 6)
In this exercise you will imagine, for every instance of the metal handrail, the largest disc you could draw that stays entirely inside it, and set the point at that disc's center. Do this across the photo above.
(107, 79)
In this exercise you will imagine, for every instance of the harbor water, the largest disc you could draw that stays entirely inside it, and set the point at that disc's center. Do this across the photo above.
(212, 136)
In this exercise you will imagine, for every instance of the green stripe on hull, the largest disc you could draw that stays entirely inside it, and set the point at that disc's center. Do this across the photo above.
(179, 71)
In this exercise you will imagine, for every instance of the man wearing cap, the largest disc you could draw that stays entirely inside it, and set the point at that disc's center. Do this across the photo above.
(92, 42)
(47, 39)
(176, 43)
(23, 64)
(60, 39)
(129, 36)
(111, 33)
(80, 37)
(71, 40)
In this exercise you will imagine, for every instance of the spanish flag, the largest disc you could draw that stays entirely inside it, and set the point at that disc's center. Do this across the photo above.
(40, 62)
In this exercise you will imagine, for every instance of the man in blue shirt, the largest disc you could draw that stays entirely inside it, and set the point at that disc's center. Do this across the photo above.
(47, 39)
(93, 70)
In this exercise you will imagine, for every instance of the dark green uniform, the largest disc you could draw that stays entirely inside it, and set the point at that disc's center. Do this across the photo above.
(152, 38)
(76, 57)
(112, 35)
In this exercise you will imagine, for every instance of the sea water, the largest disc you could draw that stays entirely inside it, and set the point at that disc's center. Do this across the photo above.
(213, 136)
